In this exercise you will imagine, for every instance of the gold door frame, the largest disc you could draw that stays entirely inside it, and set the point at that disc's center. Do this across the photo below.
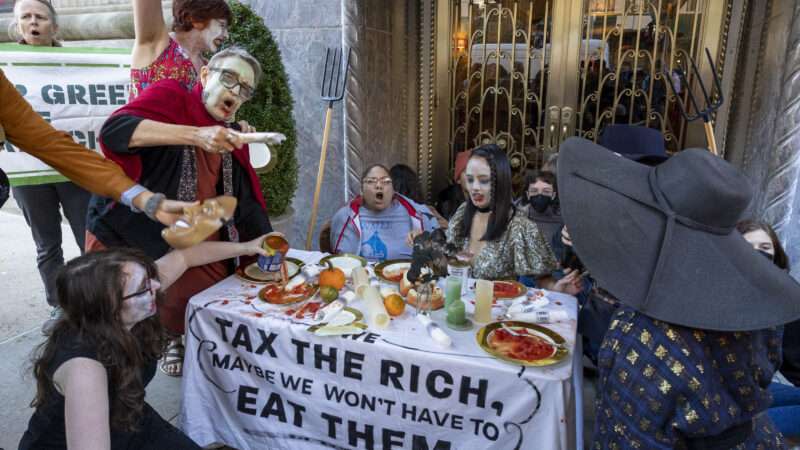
(562, 109)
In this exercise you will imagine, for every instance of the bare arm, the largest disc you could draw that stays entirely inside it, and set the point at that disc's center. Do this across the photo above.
(172, 265)
(84, 384)
(216, 139)
(152, 36)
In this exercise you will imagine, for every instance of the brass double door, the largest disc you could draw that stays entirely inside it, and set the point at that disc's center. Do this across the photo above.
(528, 74)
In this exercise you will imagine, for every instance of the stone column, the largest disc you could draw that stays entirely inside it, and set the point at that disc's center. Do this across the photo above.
(764, 133)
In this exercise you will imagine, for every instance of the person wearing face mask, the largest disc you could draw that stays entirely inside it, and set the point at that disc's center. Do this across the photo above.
(540, 203)
(92, 370)
(688, 357)
(198, 27)
(178, 142)
(375, 224)
(785, 409)
(502, 242)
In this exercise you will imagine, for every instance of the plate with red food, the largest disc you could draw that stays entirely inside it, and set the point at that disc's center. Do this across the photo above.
(508, 289)
(522, 343)
(276, 294)
(392, 270)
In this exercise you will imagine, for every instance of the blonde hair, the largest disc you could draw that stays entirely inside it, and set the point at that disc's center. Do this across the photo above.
(13, 27)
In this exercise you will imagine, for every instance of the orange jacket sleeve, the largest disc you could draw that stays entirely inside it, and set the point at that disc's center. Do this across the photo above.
(27, 130)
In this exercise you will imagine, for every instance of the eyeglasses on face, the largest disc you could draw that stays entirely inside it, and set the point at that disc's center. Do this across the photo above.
(147, 289)
(230, 80)
(371, 182)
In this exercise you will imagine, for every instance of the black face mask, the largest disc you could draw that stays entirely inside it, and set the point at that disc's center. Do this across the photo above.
(569, 260)
(540, 202)
(767, 255)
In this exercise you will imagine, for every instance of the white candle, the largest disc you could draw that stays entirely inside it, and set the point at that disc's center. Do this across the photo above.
(376, 312)
(484, 292)
(360, 280)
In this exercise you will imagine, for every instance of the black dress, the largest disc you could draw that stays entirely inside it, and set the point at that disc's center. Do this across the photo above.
(46, 428)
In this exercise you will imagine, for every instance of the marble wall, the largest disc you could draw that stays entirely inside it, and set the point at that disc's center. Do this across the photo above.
(303, 30)
(764, 133)
(372, 124)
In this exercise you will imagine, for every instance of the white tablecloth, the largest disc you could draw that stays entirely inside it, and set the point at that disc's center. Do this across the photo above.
(255, 378)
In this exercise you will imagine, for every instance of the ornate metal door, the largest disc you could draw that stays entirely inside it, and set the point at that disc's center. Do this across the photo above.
(528, 74)
(500, 78)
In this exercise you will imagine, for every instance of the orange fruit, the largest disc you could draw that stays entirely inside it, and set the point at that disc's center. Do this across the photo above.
(394, 304)
(333, 277)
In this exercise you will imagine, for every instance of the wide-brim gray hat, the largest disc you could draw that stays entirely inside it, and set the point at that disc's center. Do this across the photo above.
(663, 239)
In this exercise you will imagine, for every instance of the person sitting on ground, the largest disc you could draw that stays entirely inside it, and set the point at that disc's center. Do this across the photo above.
(199, 26)
(157, 139)
(689, 355)
(92, 370)
(540, 203)
(501, 242)
(450, 198)
(376, 223)
(785, 409)
(405, 182)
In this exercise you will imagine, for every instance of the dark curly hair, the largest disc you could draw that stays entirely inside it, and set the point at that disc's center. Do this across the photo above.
(185, 12)
(90, 290)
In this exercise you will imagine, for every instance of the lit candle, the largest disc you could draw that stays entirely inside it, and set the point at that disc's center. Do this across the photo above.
(484, 291)
(452, 290)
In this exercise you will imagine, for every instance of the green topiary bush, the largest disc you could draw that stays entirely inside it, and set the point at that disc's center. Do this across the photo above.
(270, 109)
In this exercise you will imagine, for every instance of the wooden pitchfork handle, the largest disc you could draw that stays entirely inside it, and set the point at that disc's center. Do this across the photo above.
(712, 142)
(320, 173)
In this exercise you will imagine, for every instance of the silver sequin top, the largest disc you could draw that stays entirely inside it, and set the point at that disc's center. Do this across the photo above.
(522, 250)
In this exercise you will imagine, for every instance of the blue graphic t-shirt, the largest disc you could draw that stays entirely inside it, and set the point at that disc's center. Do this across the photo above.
(383, 233)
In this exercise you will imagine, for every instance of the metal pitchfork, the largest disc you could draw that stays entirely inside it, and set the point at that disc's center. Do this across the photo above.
(710, 106)
(334, 81)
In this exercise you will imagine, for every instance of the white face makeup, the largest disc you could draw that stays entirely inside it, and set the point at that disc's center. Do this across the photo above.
(377, 189)
(222, 102)
(214, 34)
(760, 240)
(34, 22)
(141, 301)
(479, 182)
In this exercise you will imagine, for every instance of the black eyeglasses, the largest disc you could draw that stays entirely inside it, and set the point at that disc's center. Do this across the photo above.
(230, 80)
(148, 288)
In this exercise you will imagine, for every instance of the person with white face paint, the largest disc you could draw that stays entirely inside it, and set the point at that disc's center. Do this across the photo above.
(198, 26)
(92, 370)
(503, 243)
(179, 142)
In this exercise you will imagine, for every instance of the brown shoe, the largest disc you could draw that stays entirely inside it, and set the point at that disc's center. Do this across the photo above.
(200, 221)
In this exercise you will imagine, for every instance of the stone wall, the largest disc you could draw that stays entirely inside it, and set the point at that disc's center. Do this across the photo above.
(303, 30)
(764, 132)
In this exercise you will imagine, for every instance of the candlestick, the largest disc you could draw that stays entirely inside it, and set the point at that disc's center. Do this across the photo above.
(484, 292)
